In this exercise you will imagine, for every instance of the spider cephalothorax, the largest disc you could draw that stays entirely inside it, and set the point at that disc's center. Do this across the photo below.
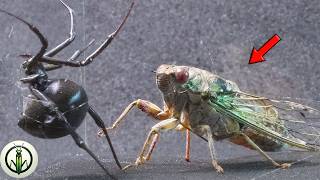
(56, 107)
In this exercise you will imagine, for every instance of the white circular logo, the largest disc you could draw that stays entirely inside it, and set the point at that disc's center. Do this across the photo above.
(19, 159)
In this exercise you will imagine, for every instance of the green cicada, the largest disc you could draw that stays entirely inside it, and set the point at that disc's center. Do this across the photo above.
(216, 109)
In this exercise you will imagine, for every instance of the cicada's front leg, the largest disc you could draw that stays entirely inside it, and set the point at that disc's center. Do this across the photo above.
(157, 113)
(148, 107)
(183, 126)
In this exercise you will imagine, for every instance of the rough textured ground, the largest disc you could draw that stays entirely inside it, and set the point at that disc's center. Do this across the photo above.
(214, 35)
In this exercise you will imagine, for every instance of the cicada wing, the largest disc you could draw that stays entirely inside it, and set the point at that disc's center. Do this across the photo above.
(300, 118)
(292, 123)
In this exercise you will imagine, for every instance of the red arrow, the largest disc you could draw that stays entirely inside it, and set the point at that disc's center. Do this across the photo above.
(257, 55)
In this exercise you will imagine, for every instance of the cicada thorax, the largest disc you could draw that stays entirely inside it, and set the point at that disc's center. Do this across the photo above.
(200, 114)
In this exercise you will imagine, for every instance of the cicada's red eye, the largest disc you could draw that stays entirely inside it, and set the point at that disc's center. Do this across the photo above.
(182, 75)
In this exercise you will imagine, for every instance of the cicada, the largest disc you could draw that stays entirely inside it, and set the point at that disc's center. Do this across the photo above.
(216, 109)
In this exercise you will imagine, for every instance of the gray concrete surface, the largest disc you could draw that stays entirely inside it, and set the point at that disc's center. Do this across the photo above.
(214, 35)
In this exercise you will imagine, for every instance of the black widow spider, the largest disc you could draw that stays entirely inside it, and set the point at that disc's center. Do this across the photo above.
(57, 107)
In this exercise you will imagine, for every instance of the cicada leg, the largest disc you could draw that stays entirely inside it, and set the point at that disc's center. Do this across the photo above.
(215, 164)
(184, 120)
(145, 106)
(153, 135)
(184, 124)
(152, 146)
(257, 148)
(155, 112)
(187, 154)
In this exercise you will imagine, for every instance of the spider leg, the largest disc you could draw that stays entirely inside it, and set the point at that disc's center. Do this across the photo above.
(76, 137)
(32, 61)
(30, 78)
(90, 58)
(101, 125)
(51, 67)
(80, 51)
(54, 63)
(108, 41)
(69, 40)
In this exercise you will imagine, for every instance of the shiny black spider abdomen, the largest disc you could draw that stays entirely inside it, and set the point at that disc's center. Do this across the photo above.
(71, 100)
(56, 108)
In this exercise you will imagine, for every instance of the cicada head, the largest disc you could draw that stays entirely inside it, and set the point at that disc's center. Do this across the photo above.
(170, 77)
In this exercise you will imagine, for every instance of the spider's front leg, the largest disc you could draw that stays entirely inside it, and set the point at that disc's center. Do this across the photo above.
(58, 62)
(108, 41)
(69, 40)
